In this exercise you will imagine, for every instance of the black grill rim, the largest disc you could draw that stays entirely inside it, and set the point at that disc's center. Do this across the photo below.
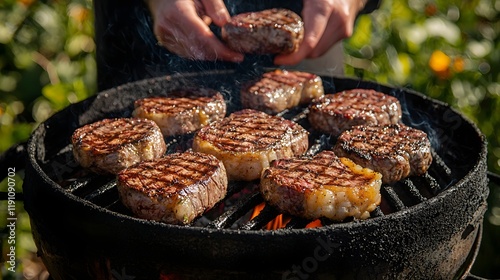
(33, 151)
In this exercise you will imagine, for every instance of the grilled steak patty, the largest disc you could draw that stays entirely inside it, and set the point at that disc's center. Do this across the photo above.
(397, 151)
(322, 186)
(248, 140)
(173, 189)
(183, 111)
(278, 90)
(270, 31)
(334, 113)
(110, 145)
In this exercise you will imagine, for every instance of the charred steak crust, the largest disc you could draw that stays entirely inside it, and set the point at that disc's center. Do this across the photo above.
(248, 140)
(183, 111)
(280, 89)
(334, 113)
(270, 31)
(110, 145)
(397, 151)
(322, 186)
(173, 189)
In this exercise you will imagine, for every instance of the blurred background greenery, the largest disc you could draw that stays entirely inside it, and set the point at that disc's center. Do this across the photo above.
(447, 49)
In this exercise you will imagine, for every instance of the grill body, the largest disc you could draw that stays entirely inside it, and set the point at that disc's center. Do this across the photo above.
(431, 239)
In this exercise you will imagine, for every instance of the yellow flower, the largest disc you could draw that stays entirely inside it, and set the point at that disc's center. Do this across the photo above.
(439, 63)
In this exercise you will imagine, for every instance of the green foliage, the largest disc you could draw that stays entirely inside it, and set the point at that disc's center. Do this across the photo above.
(449, 50)
(46, 62)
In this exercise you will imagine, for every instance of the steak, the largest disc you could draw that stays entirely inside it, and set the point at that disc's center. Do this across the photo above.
(334, 113)
(110, 145)
(397, 151)
(248, 140)
(173, 189)
(278, 90)
(273, 31)
(183, 111)
(322, 186)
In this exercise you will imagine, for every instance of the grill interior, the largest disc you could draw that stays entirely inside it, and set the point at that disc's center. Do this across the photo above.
(234, 211)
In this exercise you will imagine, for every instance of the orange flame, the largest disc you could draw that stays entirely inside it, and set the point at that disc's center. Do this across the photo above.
(280, 221)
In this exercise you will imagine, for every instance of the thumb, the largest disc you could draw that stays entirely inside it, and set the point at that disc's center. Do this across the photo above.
(216, 9)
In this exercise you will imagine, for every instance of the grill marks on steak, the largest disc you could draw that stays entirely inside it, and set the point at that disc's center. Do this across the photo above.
(334, 113)
(110, 145)
(251, 144)
(183, 111)
(174, 189)
(322, 186)
(248, 140)
(278, 90)
(397, 151)
(270, 31)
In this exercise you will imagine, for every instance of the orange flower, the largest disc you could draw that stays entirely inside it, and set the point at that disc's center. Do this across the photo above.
(79, 13)
(430, 9)
(458, 64)
(439, 63)
(26, 3)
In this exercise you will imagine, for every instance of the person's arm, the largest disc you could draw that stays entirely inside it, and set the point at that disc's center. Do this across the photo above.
(181, 26)
(325, 22)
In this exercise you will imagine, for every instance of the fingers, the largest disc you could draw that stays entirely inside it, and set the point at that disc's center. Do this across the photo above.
(325, 23)
(217, 11)
(180, 29)
(315, 15)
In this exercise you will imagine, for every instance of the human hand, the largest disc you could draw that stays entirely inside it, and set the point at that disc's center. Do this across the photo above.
(325, 23)
(181, 26)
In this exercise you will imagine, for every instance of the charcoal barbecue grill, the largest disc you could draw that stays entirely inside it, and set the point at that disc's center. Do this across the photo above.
(426, 227)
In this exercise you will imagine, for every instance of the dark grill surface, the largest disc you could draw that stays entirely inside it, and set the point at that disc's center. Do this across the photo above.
(234, 211)
(424, 228)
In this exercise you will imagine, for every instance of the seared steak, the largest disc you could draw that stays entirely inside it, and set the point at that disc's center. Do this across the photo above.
(270, 31)
(334, 113)
(397, 151)
(278, 90)
(110, 145)
(182, 111)
(322, 186)
(174, 189)
(248, 140)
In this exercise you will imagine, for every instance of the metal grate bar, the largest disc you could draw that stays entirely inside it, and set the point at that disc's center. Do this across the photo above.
(237, 211)
(87, 185)
(320, 143)
(440, 165)
(265, 216)
(412, 191)
(377, 212)
(441, 173)
(314, 149)
(301, 116)
(78, 184)
(428, 182)
(392, 197)
(100, 193)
